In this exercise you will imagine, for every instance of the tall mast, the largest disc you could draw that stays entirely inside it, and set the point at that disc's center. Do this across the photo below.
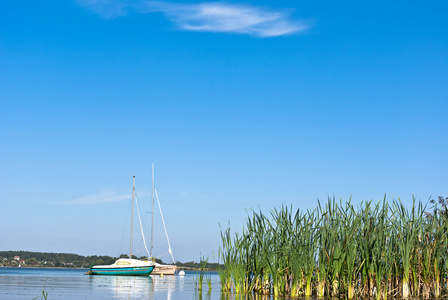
(132, 213)
(152, 211)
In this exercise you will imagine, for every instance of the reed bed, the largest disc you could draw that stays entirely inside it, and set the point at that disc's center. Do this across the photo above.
(374, 250)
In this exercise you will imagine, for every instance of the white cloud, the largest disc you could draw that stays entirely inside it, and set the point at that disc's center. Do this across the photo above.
(101, 197)
(231, 18)
(207, 16)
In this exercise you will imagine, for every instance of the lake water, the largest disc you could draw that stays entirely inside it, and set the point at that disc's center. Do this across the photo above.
(28, 283)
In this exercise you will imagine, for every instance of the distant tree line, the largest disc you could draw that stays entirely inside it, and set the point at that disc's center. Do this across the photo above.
(45, 259)
(69, 260)
(196, 265)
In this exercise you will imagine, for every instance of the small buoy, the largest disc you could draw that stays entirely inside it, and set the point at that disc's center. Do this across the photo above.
(161, 274)
(182, 273)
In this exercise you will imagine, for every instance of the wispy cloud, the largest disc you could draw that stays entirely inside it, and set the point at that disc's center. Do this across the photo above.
(101, 197)
(231, 18)
(208, 16)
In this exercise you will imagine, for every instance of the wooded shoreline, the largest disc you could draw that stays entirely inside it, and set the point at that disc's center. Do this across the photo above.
(32, 259)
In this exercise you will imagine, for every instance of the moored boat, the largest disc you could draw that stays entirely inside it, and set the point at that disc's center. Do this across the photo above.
(164, 269)
(124, 266)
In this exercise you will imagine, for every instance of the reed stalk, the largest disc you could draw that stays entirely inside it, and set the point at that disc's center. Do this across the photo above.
(381, 251)
(407, 227)
(201, 273)
(323, 257)
(310, 246)
(44, 295)
(208, 279)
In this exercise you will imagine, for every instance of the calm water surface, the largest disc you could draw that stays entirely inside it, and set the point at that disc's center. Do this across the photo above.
(28, 283)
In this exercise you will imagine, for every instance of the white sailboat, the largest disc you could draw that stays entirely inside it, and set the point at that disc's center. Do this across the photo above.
(126, 266)
(160, 269)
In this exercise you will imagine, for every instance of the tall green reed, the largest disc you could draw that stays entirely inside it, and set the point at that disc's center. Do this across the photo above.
(371, 250)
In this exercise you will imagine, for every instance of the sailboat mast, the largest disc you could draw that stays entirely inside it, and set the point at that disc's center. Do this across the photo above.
(152, 212)
(132, 213)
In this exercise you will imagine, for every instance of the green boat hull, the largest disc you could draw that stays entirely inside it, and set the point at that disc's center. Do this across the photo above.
(128, 271)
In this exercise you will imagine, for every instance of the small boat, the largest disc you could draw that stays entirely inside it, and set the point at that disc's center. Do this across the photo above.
(126, 266)
(164, 269)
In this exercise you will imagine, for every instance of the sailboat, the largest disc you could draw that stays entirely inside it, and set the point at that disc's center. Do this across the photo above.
(160, 269)
(126, 266)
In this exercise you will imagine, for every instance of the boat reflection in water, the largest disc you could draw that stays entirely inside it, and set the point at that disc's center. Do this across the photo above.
(71, 284)
(151, 287)
(124, 287)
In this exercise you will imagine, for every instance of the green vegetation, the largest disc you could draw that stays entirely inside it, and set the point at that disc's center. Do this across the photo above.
(199, 281)
(44, 295)
(65, 260)
(43, 259)
(192, 265)
(339, 250)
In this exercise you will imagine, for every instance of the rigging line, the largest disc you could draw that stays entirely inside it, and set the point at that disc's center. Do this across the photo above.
(163, 221)
(141, 227)
(138, 251)
(145, 231)
(159, 256)
(124, 229)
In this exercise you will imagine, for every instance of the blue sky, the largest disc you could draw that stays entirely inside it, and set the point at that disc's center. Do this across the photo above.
(240, 105)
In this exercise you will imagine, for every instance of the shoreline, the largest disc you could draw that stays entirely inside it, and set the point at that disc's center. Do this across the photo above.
(76, 268)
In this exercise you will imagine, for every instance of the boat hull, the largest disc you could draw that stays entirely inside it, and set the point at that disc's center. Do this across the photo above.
(125, 271)
(164, 270)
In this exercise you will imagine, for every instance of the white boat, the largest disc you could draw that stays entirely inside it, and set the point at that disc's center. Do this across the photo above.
(126, 266)
(160, 269)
